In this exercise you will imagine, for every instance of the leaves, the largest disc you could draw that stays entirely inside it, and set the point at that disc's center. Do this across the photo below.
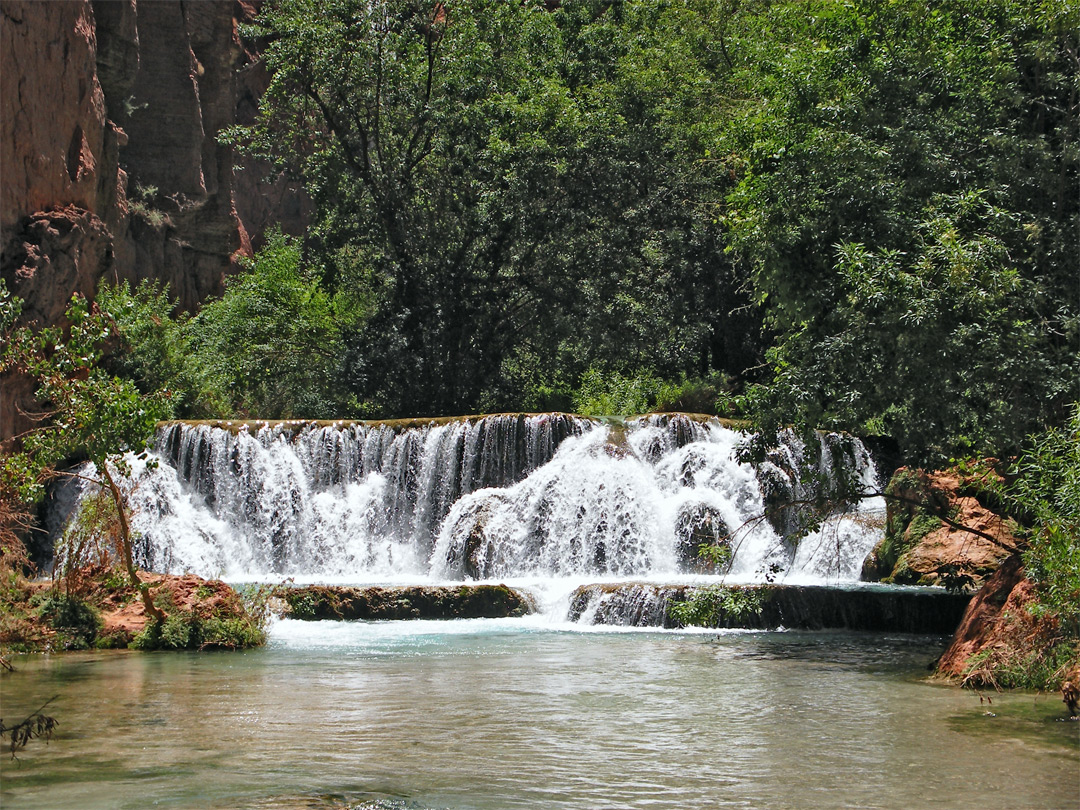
(1044, 493)
(272, 345)
(897, 178)
(499, 180)
(34, 726)
(88, 412)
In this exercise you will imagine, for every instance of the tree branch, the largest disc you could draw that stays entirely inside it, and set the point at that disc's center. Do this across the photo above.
(152, 610)
(34, 725)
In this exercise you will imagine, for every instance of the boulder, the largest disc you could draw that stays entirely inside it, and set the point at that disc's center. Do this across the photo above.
(921, 549)
(317, 602)
(701, 525)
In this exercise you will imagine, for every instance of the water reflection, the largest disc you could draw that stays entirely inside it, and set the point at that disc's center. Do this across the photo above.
(490, 715)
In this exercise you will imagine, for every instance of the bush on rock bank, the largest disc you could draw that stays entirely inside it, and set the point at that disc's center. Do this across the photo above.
(1023, 628)
(1008, 639)
(104, 611)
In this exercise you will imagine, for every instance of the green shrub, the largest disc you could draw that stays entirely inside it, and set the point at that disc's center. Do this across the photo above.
(186, 631)
(705, 395)
(1045, 496)
(273, 343)
(157, 351)
(716, 555)
(76, 622)
(175, 633)
(302, 603)
(233, 634)
(117, 640)
(717, 605)
(613, 394)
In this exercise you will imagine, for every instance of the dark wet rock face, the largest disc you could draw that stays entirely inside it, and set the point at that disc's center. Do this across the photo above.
(702, 527)
(765, 607)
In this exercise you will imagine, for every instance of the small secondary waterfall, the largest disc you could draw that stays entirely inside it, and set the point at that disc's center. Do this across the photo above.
(506, 496)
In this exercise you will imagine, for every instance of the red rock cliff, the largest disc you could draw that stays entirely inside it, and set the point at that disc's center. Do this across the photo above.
(109, 160)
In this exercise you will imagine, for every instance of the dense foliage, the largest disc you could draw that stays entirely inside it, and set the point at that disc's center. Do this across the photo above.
(1042, 491)
(862, 214)
(907, 216)
(272, 345)
(513, 194)
(88, 412)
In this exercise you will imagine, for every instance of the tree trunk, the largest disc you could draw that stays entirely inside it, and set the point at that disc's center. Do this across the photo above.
(152, 610)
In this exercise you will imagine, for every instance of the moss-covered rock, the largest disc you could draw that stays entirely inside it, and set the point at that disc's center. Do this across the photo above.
(809, 607)
(919, 548)
(315, 602)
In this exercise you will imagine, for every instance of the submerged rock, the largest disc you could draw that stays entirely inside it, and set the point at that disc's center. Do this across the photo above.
(316, 602)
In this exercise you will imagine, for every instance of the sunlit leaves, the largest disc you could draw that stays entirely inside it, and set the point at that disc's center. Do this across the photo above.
(272, 345)
(901, 216)
(88, 412)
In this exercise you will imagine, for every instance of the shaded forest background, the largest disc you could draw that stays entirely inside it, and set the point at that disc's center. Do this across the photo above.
(847, 215)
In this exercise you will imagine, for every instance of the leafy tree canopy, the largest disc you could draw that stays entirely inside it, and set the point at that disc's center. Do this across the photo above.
(906, 215)
(502, 182)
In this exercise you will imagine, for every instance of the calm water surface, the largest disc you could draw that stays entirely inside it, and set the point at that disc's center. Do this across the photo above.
(492, 714)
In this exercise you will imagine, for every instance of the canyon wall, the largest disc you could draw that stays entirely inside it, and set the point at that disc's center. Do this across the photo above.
(109, 160)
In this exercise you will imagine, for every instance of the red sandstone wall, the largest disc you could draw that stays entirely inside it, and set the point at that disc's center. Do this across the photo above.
(109, 160)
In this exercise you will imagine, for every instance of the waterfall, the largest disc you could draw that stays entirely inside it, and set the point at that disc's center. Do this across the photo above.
(507, 496)
(636, 604)
(337, 499)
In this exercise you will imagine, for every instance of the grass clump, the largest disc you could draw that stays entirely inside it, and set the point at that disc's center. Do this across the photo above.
(1038, 666)
(189, 631)
(219, 619)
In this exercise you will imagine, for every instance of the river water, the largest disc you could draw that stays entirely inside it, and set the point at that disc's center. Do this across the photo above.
(527, 713)
(521, 713)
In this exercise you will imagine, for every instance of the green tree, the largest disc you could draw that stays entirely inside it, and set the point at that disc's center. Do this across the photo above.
(905, 213)
(155, 350)
(272, 345)
(1042, 491)
(89, 413)
(502, 182)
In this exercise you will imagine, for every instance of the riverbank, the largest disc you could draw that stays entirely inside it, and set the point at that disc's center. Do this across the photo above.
(97, 608)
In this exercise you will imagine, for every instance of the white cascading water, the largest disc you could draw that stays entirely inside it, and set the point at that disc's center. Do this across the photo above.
(499, 497)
